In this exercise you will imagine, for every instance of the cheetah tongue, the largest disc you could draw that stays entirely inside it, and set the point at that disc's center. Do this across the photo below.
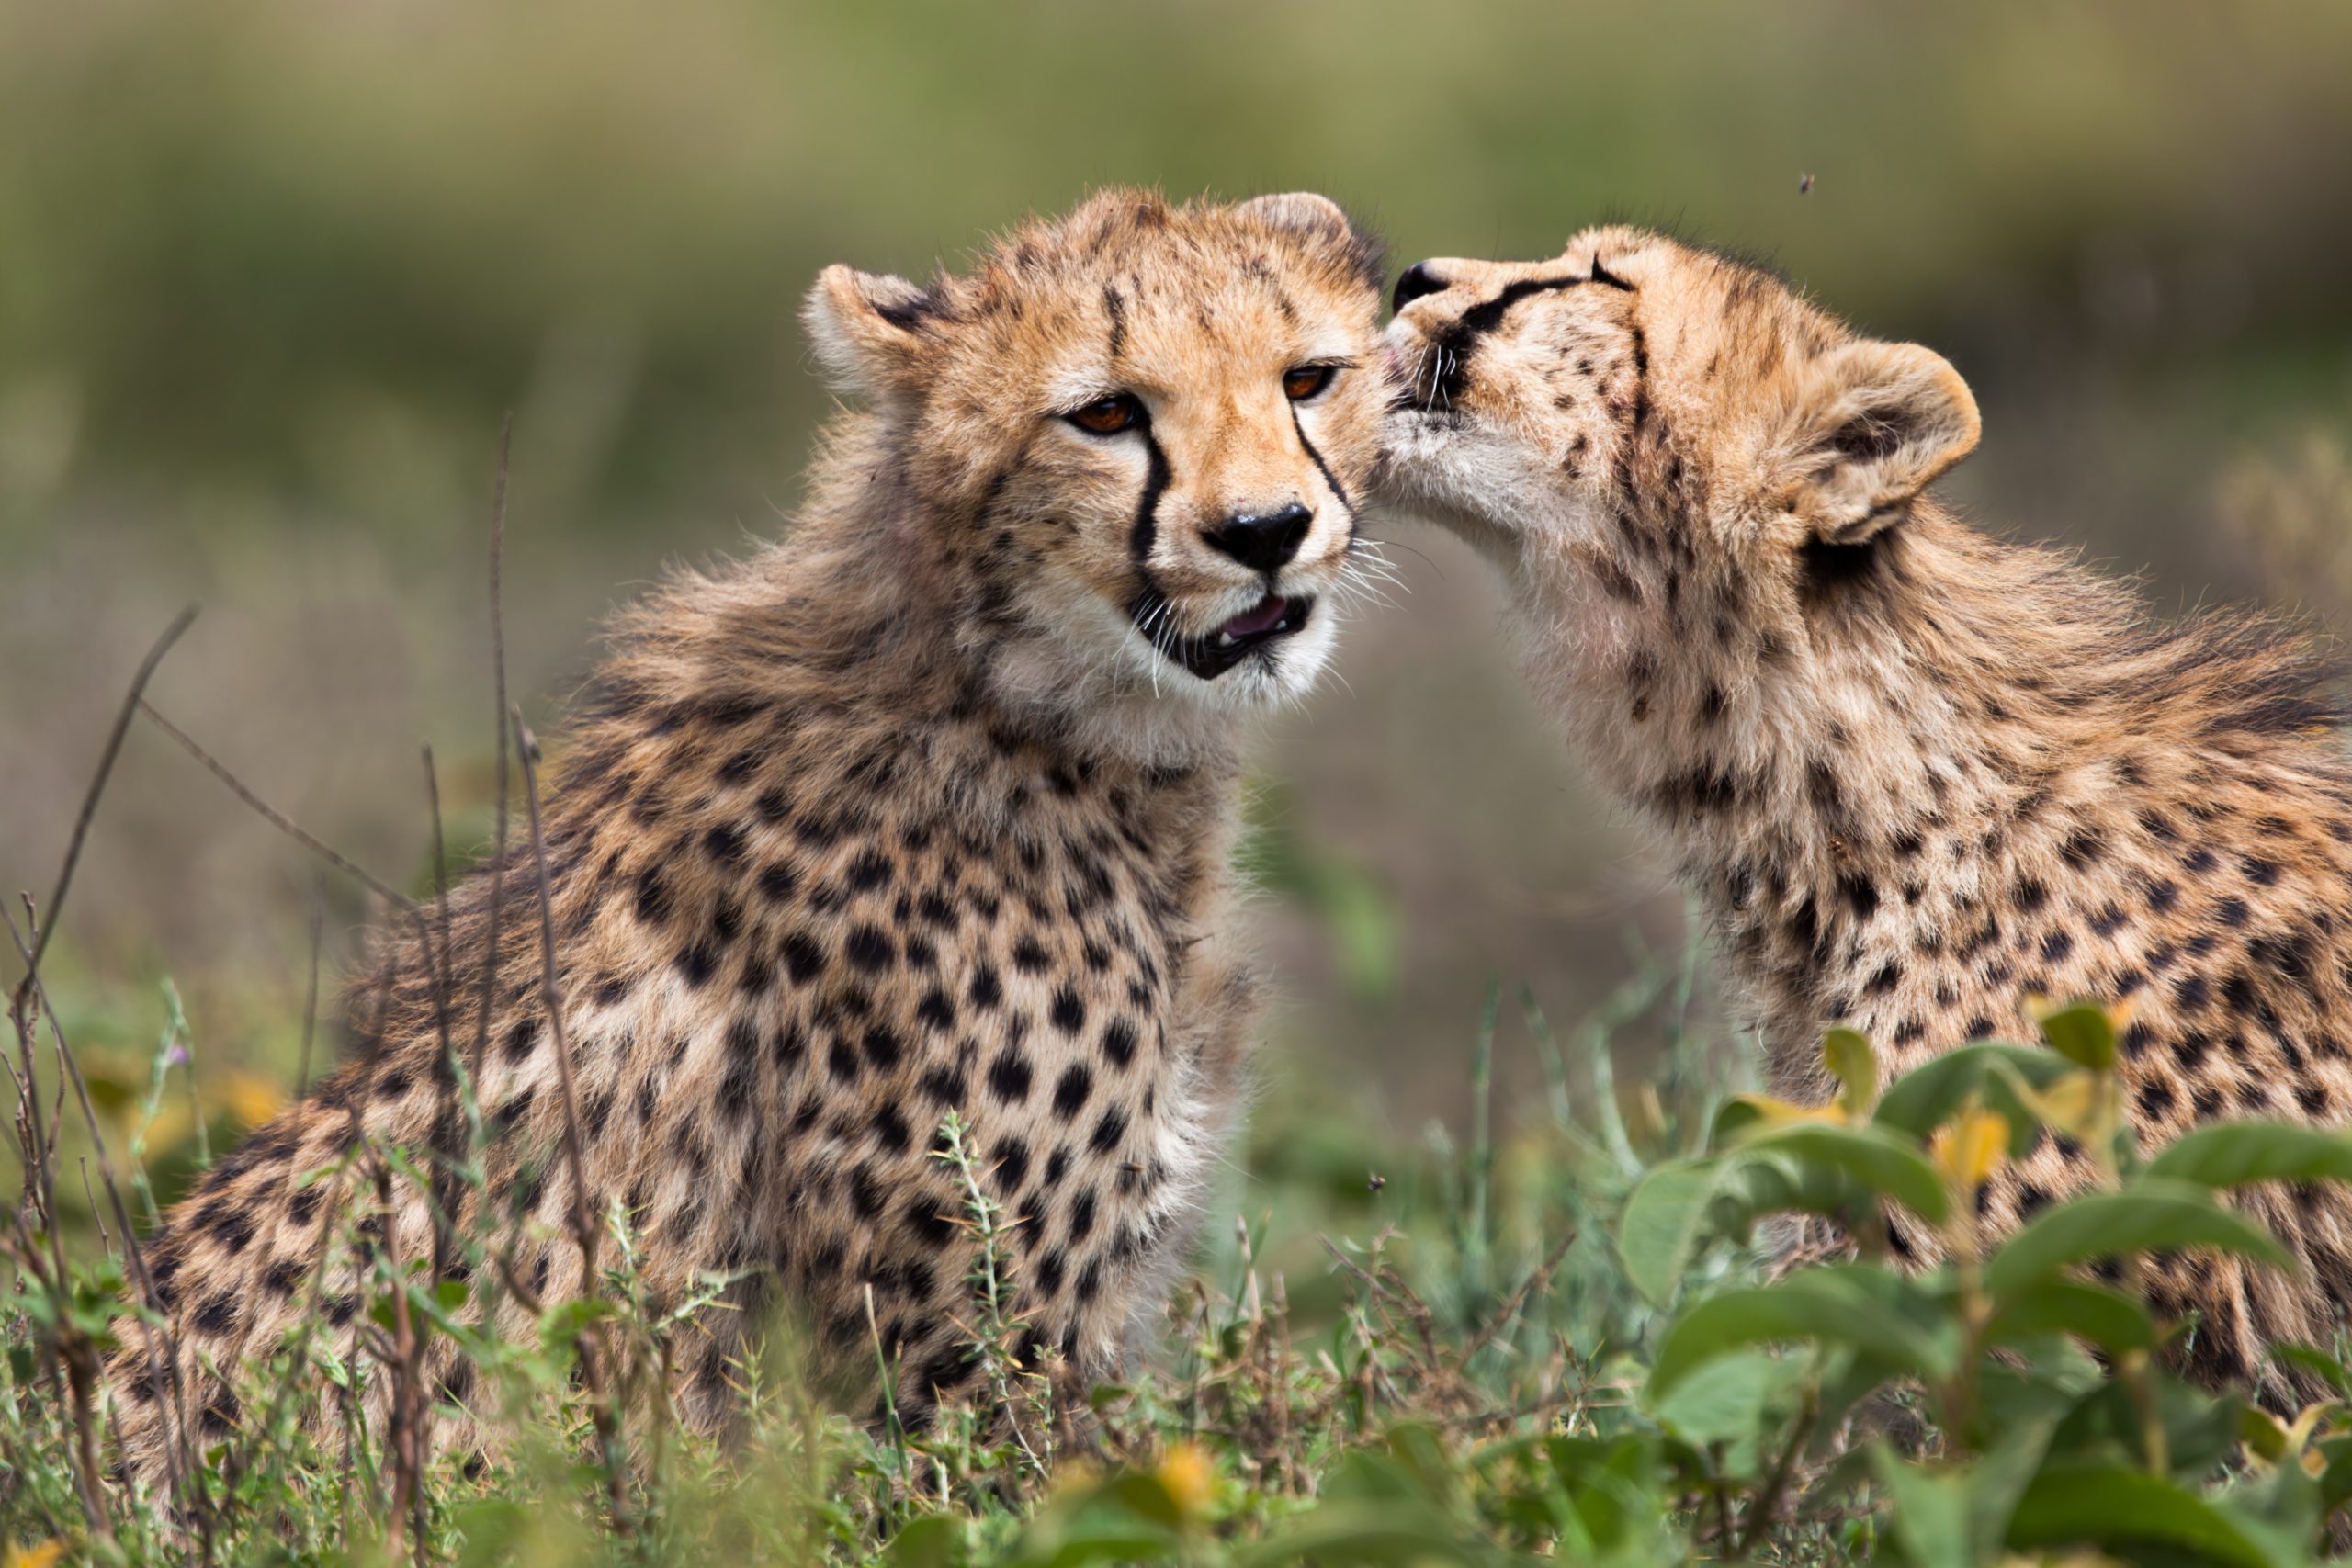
(1269, 614)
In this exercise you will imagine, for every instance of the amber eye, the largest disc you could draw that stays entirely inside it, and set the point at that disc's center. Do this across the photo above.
(1306, 381)
(1107, 416)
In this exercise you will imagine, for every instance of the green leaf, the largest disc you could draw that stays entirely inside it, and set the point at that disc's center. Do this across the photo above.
(2336, 1481)
(1847, 1053)
(493, 1529)
(1930, 1095)
(1876, 1312)
(2108, 1319)
(1663, 1221)
(2103, 1505)
(2146, 1217)
(563, 1324)
(2232, 1154)
(1931, 1512)
(1730, 1405)
(1883, 1161)
(2320, 1365)
(1360, 1532)
(934, 1541)
(2082, 1034)
(2200, 1430)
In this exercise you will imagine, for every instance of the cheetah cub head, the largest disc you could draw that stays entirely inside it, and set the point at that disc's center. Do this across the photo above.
(1134, 439)
(1643, 432)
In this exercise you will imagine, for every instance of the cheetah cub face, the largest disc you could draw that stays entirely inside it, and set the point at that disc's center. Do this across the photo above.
(1576, 416)
(1138, 436)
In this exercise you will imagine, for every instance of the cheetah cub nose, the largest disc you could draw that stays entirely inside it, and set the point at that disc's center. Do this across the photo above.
(1416, 281)
(1263, 543)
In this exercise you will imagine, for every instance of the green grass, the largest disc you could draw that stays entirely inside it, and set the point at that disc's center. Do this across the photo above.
(1552, 1340)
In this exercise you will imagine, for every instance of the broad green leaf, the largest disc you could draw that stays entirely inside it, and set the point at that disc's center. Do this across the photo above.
(1663, 1221)
(493, 1529)
(935, 1541)
(1743, 1113)
(1926, 1097)
(1359, 1532)
(565, 1322)
(2001, 1474)
(2147, 1217)
(2320, 1365)
(2103, 1505)
(1871, 1311)
(2108, 1319)
(1931, 1511)
(2200, 1430)
(1773, 1181)
(1729, 1404)
(2336, 1481)
(2231, 1153)
(1883, 1161)
(2082, 1034)
(1847, 1053)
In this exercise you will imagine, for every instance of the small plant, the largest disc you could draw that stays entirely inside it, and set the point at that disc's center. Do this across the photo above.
(1558, 1339)
(2053, 1420)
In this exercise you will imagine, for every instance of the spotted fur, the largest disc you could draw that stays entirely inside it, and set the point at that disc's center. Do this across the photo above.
(1919, 777)
(928, 809)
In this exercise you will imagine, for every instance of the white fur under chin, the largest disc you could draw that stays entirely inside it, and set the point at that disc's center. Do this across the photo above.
(1123, 696)
(1470, 485)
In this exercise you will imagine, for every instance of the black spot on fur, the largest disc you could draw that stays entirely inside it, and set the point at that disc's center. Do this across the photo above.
(869, 949)
(1009, 1075)
(1070, 1093)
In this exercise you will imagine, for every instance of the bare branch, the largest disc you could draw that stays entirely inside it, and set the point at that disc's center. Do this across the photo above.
(56, 904)
(526, 750)
(274, 818)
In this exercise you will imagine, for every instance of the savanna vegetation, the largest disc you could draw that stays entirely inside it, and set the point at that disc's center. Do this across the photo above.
(1487, 1289)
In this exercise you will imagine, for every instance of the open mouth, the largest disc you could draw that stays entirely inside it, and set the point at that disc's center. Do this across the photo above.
(1212, 653)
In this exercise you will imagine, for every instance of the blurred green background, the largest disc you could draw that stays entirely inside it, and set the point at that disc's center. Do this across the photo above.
(270, 272)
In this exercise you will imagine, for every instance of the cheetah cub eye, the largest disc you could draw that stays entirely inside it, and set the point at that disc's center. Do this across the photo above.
(1108, 416)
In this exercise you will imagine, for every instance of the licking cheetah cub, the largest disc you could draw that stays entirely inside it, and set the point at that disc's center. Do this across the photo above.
(1917, 774)
(927, 810)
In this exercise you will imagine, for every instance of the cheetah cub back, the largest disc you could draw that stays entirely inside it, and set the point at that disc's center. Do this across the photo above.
(928, 809)
(1916, 776)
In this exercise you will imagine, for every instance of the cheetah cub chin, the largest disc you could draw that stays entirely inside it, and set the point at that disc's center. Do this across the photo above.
(929, 808)
(1916, 776)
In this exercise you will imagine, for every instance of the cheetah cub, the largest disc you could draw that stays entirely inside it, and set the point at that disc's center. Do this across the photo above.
(1916, 774)
(928, 809)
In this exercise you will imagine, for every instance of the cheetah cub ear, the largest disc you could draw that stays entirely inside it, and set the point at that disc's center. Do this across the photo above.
(873, 332)
(1302, 211)
(1326, 222)
(1874, 424)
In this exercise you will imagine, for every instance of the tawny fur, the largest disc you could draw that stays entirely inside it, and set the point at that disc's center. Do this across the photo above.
(1917, 776)
(916, 812)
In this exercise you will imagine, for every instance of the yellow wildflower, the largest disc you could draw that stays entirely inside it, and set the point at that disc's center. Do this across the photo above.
(1967, 1149)
(1187, 1474)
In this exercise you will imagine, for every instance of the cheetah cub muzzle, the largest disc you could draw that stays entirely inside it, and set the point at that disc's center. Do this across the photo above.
(929, 808)
(1916, 776)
